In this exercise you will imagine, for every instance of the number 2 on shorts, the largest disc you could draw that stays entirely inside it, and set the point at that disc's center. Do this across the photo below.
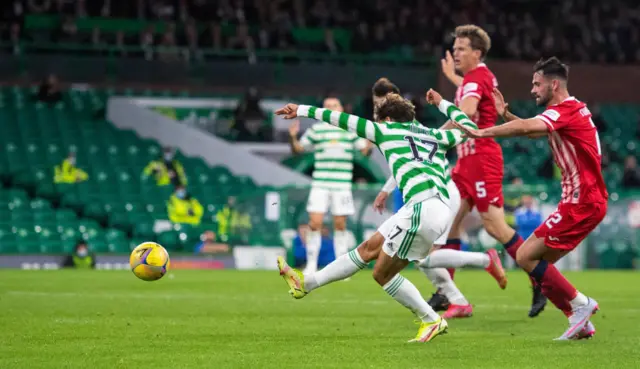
(481, 192)
(555, 218)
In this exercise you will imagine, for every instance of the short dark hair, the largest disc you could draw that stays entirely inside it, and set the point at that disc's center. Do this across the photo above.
(552, 67)
(478, 38)
(396, 108)
(383, 86)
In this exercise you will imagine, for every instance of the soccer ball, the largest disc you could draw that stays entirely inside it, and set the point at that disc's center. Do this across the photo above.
(149, 261)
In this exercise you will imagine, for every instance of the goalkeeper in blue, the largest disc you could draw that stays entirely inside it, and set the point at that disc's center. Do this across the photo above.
(416, 157)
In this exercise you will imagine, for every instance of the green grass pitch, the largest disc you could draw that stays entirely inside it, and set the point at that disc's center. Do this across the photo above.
(234, 319)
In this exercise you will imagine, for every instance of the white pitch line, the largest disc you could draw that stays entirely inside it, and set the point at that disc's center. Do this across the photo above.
(334, 301)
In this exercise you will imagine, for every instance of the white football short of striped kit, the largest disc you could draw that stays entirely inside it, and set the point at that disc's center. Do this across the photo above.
(340, 201)
(411, 231)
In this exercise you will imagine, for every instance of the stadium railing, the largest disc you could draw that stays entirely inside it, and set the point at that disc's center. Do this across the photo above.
(276, 213)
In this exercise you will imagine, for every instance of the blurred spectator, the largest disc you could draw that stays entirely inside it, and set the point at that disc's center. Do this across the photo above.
(575, 30)
(67, 172)
(166, 169)
(167, 50)
(250, 119)
(80, 258)
(39, 6)
(527, 217)
(549, 169)
(511, 203)
(327, 254)
(68, 32)
(231, 221)
(631, 176)
(208, 245)
(183, 208)
(598, 121)
(49, 90)
(242, 39)
(329, 45)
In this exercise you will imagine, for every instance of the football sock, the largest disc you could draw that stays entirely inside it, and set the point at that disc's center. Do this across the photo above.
(455, 259)
(555, 286)
(340, 246)
(313, 243)
(452, 244)
(442, 281)
(343, 267)
(512, 247)
(579, 301)
(408, 295)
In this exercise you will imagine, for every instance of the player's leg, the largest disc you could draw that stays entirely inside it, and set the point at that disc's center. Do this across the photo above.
(557, 236)
(495, 224)
(490, 261)
(317, 206)
(341, 207)
(489, 200)
(538, 260)
(461, 207)
(465, 191)
(340, 237)
(409, 240)
(313, 241)
(343, 267)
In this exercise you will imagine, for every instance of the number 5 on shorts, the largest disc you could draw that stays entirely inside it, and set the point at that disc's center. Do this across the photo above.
(555, 218)
(480, 190)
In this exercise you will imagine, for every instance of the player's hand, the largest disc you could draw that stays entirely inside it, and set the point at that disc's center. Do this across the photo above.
(468, 132)
(501, 106)
(433, 97)
(289, 111)
(294, 128)
(448, 66)
(380, 203)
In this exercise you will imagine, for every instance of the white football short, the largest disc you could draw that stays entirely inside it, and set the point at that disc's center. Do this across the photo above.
(411, 231)
(454, 204)
(341, 202)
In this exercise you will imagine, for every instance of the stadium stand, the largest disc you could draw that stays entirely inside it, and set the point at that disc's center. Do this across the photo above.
(576, 30)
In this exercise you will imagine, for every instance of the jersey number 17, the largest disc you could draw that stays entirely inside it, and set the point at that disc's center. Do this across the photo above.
(429, 148)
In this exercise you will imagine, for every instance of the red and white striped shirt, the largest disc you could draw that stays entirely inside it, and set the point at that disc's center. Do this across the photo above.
(479, 84)
(575, 145)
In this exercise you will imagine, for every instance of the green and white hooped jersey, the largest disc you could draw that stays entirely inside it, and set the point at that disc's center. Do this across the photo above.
(334, 151)
(415, 154)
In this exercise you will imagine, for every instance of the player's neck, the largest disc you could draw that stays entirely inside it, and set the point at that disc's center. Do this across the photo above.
(473, 67)
(559, 97)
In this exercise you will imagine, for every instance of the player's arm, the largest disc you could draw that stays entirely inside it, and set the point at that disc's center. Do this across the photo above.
(519, 127)
(380, 202)
(296, 146)
(502, 107)
(449, 69)
(389, 185)
(469, 103)
(364, 146)
(458, 118)
(364, 128)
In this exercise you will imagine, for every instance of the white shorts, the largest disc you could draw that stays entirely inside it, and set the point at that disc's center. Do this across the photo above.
(341, 201)
(454, 204)
(411, 231)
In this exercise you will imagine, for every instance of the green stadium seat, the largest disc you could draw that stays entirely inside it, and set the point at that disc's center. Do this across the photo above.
(144, 230)
(170, 240)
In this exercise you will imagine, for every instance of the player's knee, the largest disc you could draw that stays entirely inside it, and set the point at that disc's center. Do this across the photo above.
(380, 277)
(315, 225)
(369, 250)
(497, 229)
(339, 224)
(522, 259)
